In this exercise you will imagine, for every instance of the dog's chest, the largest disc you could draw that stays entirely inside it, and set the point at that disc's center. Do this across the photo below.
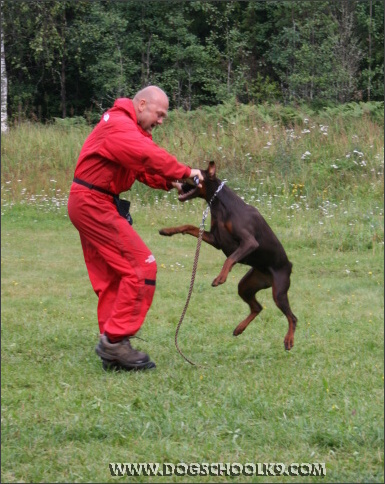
(222, 230)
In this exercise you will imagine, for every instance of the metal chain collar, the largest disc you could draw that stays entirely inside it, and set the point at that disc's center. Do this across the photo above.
(206, 212)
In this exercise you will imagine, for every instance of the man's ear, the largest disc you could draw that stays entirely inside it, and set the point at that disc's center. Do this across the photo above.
(141, 105)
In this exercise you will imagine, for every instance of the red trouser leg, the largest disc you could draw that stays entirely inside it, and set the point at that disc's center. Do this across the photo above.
(105, 281)
(121, 268)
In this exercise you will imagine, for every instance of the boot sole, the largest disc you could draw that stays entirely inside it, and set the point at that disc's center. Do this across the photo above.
(116, 366)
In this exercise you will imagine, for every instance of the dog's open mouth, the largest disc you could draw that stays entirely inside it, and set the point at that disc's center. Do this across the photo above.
(189, 191)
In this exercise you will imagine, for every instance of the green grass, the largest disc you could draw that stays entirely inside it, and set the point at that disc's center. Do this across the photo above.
(64, 419)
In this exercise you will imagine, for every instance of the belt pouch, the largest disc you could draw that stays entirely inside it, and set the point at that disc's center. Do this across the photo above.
(123, 207)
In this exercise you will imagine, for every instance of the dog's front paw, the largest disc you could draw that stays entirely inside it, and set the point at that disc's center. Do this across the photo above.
(217, 281)
(166, 232)
(289, 342)
(238, 331)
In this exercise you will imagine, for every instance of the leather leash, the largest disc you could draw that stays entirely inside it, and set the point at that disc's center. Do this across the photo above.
(194, 270)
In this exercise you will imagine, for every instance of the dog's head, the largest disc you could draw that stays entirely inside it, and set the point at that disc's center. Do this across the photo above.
(209, 185)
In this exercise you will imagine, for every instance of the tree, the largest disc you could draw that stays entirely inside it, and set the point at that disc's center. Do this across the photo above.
(17, 28)
(49, 49)
(227, 48)
(40, 65)
(316, 54)
(99, 48)
(370, 27)
(257, 27)
(184, 60)
(69, 58)
(346, 50)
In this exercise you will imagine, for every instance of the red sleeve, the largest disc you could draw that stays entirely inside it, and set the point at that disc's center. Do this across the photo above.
(125, 145)
(154, 181)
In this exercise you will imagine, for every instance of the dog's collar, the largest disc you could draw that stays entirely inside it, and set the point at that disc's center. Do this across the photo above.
(217, 191)
(206, 212)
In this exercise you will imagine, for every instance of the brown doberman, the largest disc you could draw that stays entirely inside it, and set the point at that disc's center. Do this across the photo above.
(240, 231)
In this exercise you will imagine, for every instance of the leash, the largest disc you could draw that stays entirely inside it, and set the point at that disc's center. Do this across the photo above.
(194, 270)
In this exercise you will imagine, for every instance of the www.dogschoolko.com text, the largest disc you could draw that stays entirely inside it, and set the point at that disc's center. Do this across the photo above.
(217, 469)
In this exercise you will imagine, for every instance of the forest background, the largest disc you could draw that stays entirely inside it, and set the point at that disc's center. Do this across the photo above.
(72, 59)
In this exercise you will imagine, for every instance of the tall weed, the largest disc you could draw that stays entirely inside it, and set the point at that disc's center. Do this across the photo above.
(336, 152)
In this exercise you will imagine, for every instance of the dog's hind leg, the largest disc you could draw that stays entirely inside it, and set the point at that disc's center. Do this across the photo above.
(281, 284)
(248, 286)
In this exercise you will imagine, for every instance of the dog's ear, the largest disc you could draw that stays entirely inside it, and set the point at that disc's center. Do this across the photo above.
(211, 169)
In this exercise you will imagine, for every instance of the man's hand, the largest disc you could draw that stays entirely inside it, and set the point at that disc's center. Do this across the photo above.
(196, 172)
(190, 180)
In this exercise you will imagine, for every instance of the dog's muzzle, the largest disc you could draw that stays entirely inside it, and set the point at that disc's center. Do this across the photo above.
(188, 191)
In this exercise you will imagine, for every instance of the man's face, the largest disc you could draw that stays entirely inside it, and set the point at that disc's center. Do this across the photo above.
(152, 112)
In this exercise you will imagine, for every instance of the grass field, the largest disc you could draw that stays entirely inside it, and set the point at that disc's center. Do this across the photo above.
(65, 420)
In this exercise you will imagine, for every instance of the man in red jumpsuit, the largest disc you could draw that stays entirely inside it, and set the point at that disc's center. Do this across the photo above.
(121, 268)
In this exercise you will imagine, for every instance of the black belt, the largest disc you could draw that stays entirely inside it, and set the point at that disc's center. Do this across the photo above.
(94, 187)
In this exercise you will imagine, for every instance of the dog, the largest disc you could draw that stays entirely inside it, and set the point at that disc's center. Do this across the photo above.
(240, 231)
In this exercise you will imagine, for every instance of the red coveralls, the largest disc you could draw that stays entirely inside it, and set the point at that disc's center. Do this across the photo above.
(121, 268)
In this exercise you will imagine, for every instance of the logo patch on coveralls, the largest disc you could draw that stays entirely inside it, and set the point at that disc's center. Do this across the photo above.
(150, 259)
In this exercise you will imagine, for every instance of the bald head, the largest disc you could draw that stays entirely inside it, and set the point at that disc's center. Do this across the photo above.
(151, 106)
(150, 94)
